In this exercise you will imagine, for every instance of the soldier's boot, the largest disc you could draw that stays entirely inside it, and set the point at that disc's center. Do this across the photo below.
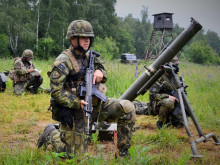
(44, 137)
(122, 153)
(159, 124)
(33, 90)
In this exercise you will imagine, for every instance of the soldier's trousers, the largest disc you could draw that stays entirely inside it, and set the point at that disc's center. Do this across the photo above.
(70, 136)
(31, 85)
(165, 115)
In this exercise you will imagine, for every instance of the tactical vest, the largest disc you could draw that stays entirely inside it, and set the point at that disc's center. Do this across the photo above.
(18, 78)
(76, 75)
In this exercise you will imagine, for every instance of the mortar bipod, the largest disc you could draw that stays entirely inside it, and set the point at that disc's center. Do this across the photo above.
(185, 105)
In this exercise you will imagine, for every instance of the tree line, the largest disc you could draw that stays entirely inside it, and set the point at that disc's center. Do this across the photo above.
(41, 26)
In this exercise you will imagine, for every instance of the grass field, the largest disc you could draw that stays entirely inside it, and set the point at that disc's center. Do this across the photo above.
(23, 119)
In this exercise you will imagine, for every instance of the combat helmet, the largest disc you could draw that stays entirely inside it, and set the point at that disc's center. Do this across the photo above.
(79, 28)
(28, 53)
(175, 60)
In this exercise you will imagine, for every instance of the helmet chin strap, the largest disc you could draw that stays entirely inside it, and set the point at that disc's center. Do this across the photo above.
(80, 48)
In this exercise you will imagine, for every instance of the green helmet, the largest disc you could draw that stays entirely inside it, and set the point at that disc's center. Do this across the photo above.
(79, 28)
(28, 53)
(175, 60)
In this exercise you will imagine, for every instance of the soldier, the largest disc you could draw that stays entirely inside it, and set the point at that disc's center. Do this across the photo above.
(22, 74)
(163, 101)
(67, 73)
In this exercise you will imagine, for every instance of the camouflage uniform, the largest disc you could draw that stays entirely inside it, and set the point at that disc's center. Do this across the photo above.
(168, 111)
(67, 73)
(22, 79)
(142, 108)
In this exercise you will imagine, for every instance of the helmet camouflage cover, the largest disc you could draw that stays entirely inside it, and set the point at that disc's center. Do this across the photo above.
(175, 60)
(79, 28)
(28, 53)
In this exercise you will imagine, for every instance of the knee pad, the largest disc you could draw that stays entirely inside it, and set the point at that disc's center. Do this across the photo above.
(127, 106)
(168, 103)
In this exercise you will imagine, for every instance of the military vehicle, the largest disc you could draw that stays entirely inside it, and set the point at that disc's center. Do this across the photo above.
(127, 58)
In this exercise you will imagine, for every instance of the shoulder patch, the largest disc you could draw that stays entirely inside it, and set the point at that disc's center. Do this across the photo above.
(62, 67)
(55, 74)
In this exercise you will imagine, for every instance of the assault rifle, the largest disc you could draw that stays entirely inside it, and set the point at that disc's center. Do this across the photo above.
(87, 89)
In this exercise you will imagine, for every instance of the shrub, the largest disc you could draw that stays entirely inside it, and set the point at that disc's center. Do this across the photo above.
(45, 46)
(4, 43)
(201, 53)
(106, 47)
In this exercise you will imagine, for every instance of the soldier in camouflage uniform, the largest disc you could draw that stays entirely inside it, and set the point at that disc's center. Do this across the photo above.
(21, 74)
(68, 71)
(163, 101)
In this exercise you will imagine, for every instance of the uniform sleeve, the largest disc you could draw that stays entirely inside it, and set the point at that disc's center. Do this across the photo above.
(159, 97)
(156, 93)
(57, 79)
(18, 70)
(99, 65)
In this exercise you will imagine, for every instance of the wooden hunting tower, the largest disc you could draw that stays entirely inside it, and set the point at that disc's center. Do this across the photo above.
(161, 36)
(163, 21)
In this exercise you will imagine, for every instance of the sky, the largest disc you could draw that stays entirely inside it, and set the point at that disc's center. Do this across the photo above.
(206, 12)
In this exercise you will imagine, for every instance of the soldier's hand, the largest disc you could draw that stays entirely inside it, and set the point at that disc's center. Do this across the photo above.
(98, 76)
(31, 70)
(83, 103)
(173, 98)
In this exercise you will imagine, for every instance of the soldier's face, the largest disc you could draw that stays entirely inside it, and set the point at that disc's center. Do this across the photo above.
(84, 42)
(29, 58)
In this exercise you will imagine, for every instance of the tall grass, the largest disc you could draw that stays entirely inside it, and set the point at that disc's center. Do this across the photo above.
(20, 117)
(203, 92)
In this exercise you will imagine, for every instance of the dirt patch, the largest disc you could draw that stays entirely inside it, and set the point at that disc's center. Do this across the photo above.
(107, 147)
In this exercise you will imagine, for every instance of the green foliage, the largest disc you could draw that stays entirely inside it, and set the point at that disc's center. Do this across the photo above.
(4, 44)
(28, 156)
(106, 47)
(23, 118)
(203, 92)
(142, 33)
(44, 48)
(24, 23)
(164, 138)
(183, 159)
(18, 25)
(213, 40)
(140, 155)
(199, 52)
